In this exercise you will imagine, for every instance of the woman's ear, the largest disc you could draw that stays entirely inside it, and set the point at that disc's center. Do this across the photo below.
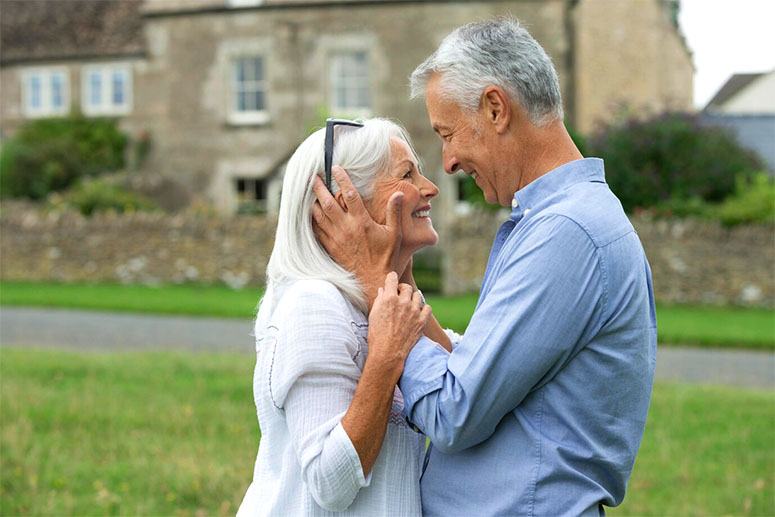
(340, 199)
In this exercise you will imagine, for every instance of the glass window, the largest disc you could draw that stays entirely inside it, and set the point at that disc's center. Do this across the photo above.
(107, 89)
(251, 195)
(249, 85)
(57, 91)
(45, 92)
(350, 81)
(95, 89)
(35, 93)
(118, 81)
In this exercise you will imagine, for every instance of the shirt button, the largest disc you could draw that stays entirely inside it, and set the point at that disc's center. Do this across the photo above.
(514, 203)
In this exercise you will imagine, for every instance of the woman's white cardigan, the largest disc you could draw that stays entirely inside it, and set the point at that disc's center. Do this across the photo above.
(311, 351)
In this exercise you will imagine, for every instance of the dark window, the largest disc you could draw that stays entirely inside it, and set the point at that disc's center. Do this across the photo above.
(251, 195)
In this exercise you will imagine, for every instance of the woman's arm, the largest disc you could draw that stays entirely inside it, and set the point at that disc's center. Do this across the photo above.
(396, 322)
(337, 415)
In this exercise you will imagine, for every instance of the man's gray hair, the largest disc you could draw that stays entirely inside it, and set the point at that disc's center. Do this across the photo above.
(498, 52)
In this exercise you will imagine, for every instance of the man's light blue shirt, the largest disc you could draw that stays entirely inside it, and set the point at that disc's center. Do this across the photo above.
(540, 409)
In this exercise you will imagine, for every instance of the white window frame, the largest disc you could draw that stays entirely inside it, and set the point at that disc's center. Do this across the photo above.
(106, 106)
(46, 108)
(253, 116)
(335, 64)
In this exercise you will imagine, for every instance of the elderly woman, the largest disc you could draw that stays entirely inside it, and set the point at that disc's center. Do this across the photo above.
(328, 444)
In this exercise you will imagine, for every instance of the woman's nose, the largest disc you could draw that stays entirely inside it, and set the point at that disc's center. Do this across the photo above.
(429, 189)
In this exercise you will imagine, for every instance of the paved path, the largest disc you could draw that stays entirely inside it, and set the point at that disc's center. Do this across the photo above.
(114, 331)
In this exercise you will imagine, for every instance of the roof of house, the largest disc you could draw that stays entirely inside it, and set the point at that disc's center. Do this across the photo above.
(732, 87)
(36, 30)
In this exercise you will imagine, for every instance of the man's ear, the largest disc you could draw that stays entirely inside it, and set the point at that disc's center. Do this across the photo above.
(340, 199)
(497, 107)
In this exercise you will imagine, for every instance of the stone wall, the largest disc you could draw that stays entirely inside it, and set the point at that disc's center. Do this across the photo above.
(692, 261)
(133, 248)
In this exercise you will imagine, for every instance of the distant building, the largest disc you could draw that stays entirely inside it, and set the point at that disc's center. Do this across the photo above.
(227, 89)
(745, 105)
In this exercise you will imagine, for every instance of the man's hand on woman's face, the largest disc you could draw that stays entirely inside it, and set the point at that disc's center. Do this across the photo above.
(354, 240)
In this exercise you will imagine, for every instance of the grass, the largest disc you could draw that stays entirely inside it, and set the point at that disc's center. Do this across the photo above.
(683, 324)
(133, 433)
(175, 434)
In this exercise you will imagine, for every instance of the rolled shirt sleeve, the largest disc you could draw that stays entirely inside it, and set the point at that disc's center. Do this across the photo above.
(544, 299)
(313, 380)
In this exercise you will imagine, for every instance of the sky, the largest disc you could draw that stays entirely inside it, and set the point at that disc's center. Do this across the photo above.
(727, 37)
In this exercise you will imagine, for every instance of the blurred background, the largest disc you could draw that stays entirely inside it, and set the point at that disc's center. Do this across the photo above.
(142, 149)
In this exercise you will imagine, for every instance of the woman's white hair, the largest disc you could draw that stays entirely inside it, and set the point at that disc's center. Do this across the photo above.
(364, 152)
(498, 52)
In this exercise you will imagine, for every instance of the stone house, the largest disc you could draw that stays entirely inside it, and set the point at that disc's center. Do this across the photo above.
(226, 89)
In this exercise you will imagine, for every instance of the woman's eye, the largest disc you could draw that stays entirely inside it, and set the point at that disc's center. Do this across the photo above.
(407, 175)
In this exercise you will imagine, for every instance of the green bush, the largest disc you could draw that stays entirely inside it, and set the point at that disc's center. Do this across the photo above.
(49, 155)
(670, 159)
(753, 202)
(99, 195)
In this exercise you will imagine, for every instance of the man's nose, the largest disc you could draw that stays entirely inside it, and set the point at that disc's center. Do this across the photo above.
(451, 164)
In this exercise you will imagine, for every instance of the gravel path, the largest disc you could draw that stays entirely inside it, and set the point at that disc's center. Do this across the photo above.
(114, 331)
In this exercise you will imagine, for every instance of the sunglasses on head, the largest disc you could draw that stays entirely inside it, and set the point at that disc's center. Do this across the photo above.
(329, 146)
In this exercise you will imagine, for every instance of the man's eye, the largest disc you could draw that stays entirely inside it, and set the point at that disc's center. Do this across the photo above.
(408, 174)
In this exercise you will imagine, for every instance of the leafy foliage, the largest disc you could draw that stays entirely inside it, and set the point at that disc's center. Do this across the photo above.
(49, 155)
(671, 158)
(99, 195)
(753, 202)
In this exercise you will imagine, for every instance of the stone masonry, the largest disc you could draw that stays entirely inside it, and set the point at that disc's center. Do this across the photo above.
(692, 261)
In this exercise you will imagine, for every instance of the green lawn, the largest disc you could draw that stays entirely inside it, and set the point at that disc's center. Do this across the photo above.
(693, 325)
(175, 434)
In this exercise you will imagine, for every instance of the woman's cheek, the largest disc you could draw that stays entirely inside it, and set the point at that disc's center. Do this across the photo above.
(411, 193)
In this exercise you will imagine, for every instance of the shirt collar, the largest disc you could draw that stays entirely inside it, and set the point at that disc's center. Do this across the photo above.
(556, 180)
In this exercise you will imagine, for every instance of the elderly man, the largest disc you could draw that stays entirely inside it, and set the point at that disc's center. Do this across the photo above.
(540, 407)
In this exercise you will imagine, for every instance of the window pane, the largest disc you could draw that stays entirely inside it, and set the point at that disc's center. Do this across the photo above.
(258, 69)
(259, 100)
(260, 190)
(57, 94)
(350, 78)
(240, 67)
(35, 91)
(118, 82)
(363, 98)
(242, 101)
(248, 87)
(95, 89)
